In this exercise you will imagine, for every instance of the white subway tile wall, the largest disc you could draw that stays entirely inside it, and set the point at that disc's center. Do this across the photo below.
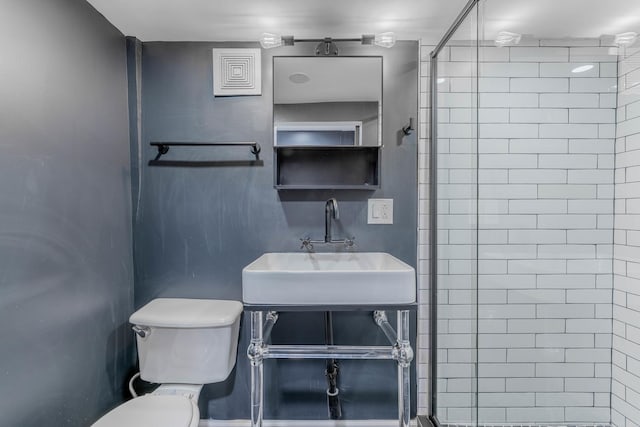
(625, 398)
(545, 240)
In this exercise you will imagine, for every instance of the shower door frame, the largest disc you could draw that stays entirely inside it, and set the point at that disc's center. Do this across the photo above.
(433, 207)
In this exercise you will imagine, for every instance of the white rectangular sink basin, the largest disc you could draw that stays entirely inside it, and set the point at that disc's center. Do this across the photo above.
(356, 278)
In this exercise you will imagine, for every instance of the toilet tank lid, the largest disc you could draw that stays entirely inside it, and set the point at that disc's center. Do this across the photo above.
(187, 313)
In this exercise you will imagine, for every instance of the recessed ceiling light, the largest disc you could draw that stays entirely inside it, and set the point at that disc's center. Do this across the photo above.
(626, 39)
(441, 80)
(505, 38)
(299, 78)
(582, 68)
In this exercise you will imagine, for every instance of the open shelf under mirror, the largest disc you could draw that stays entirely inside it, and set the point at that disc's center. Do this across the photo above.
(327, 167)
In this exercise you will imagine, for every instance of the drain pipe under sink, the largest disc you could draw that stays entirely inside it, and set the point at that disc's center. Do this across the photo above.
(333, 398)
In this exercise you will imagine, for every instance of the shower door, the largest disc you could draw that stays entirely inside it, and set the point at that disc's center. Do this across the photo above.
(455, 304)
(523, 190)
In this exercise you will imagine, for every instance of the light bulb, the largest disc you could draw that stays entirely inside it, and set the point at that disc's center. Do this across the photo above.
(269, 41)
(385, 39)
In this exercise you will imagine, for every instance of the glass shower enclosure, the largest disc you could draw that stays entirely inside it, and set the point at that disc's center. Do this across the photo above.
(522, 190)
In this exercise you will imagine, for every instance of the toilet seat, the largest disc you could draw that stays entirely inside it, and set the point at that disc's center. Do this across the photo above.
(153, 411)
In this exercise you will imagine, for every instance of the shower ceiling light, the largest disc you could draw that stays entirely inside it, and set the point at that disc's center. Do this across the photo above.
(505, 38)
(269, 41)
(626, 39)
(582, 68)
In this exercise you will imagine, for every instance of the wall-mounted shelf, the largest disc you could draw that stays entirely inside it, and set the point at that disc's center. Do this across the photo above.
(323, 167)
(163, 148)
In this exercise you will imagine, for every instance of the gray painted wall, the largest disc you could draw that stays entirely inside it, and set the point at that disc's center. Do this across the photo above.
(197, 228)
(66, 281)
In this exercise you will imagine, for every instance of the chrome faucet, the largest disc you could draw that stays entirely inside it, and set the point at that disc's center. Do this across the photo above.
(330, 213)
(330, 210)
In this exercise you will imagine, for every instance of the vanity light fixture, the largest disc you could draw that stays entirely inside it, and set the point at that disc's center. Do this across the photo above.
(582, 68)
(626, 39)
(505, 38)
(327, 45)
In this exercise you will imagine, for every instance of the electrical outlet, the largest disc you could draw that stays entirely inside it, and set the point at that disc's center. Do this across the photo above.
(380, 211)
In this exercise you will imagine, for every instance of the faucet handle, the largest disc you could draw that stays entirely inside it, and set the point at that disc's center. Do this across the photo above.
(306, 244)
(350, 242)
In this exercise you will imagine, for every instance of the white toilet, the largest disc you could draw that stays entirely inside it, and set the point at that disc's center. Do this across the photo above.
(182, 344)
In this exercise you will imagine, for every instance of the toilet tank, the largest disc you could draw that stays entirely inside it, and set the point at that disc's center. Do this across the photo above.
(187, 341)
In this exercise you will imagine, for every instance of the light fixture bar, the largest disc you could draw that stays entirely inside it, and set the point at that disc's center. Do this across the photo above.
(323, 39)
(269, 41)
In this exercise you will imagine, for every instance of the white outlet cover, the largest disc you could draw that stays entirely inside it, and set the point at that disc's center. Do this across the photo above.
(380, 211)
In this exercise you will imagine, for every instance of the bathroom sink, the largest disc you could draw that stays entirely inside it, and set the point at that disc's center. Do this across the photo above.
(307, 279)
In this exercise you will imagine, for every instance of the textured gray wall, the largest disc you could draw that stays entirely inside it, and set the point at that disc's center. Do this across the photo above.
(197, 228)
(66, 274)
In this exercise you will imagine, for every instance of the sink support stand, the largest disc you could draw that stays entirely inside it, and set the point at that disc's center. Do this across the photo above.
(260, 331)
(400, 351)
(403, 354)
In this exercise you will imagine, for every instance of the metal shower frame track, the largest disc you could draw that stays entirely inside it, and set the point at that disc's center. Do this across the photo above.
(433, 199)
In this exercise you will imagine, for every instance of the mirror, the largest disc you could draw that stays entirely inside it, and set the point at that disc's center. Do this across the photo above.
(327, 101)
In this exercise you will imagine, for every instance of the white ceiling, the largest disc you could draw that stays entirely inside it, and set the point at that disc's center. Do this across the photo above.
(561, 18)
(241, 20)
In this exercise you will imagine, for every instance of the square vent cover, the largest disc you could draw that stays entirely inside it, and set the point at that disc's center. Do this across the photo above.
(237, 72)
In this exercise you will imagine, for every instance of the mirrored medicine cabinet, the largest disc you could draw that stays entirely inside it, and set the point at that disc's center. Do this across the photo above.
(327, 122)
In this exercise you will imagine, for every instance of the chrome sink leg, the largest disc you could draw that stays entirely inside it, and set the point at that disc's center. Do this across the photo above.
(255, 352)
(403, 353)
